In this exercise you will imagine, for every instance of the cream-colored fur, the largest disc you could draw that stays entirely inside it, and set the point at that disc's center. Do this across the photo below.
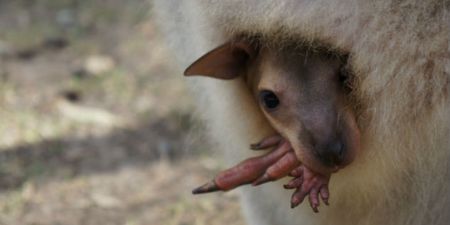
(400, 57)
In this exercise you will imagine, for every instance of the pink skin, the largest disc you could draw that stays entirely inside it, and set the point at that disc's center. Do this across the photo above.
(272, 166)
(306, 182)
(245, 172)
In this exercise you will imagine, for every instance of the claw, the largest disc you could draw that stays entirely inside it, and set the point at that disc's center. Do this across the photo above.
(297, 197)
(297, 171)
(279, 169)
(267, 142)
(262, 179)
(294, 183)
(324, 194)
(206, 188)
(314, 200)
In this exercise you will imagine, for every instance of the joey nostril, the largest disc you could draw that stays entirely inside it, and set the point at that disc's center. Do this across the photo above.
(337, 149)
(333, 153)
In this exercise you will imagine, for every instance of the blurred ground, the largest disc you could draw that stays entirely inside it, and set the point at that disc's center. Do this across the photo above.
(94, 123)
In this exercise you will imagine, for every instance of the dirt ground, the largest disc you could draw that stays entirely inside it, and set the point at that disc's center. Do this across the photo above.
(95, 125)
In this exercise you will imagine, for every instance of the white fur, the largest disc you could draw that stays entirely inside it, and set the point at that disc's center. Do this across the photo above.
(400, 56)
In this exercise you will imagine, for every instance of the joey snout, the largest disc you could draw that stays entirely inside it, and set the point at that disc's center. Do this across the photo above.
(332, 137)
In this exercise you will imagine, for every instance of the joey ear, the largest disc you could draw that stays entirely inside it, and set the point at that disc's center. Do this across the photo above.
(227, 61)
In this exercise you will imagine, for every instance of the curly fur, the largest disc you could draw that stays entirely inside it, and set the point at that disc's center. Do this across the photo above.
(399, 55)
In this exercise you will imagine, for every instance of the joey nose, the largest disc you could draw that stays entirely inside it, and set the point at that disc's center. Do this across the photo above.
(333, 153)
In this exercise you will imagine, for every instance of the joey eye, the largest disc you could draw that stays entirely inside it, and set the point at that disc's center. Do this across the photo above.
(269, 99)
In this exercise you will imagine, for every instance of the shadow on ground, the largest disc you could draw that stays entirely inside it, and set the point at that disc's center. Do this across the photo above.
(66, 157)
(129, 176)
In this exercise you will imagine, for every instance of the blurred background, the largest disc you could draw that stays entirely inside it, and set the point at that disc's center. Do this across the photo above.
(95, 123)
